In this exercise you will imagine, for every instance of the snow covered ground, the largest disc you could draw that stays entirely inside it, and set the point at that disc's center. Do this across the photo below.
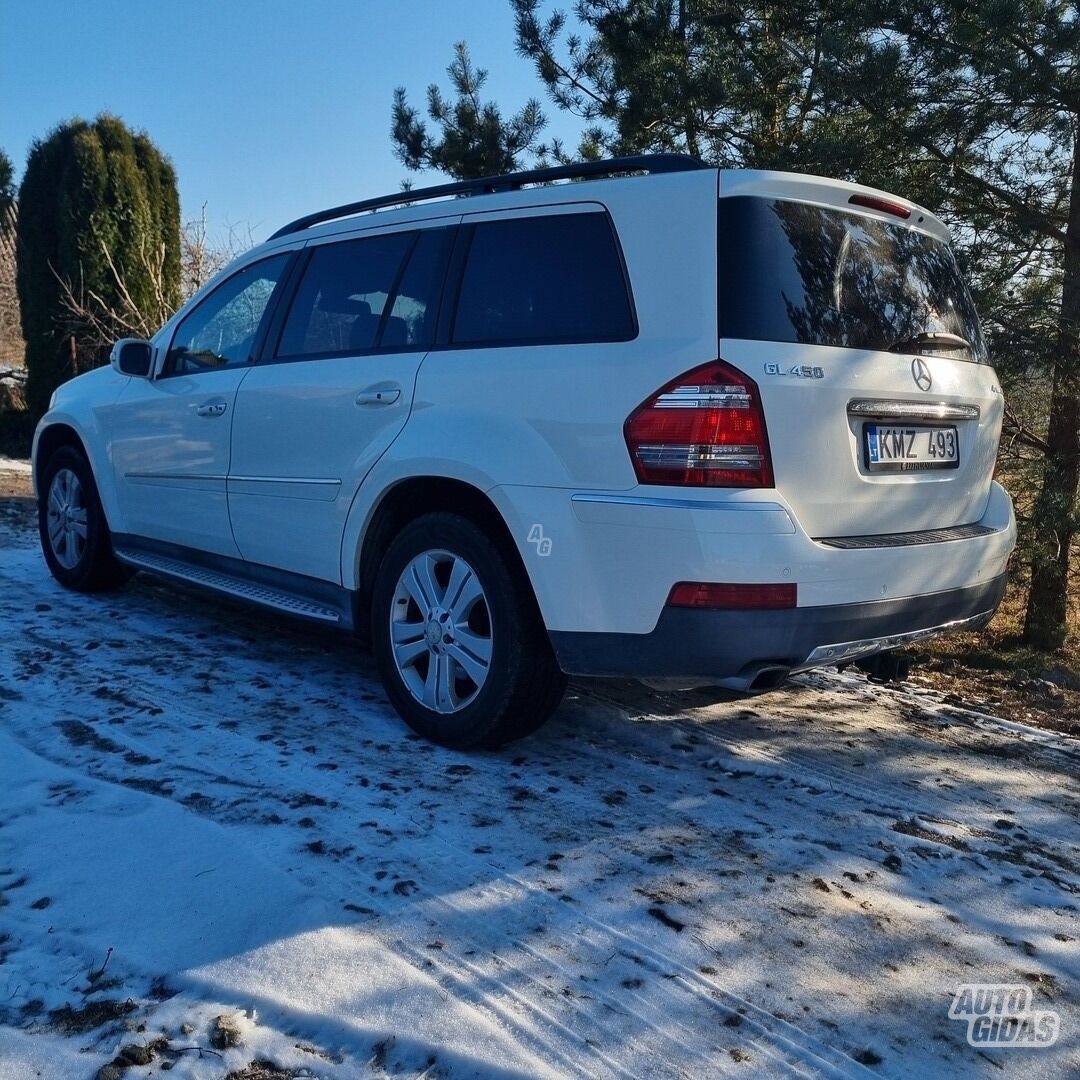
(207, 812)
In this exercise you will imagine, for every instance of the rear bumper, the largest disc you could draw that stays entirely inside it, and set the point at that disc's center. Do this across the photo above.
(755, 649)
(613, 557)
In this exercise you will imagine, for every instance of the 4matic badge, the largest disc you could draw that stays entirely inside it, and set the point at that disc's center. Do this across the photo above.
(800, 371)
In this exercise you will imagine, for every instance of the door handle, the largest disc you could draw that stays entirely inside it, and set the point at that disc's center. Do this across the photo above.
(385, 396)
(212, 408)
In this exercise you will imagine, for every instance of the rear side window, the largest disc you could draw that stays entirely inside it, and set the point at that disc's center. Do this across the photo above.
(791, 271)
(543, 280)
(339, 306)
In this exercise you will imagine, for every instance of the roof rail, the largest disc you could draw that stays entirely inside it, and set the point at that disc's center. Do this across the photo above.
(487, 185)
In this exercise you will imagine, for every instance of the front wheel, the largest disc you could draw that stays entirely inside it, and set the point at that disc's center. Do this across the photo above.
(74, 534)
(459, 642)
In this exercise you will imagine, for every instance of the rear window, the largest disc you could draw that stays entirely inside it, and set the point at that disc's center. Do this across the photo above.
(789, 271)
(543, 280)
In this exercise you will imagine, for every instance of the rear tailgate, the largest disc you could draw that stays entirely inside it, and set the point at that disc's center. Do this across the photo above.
(883, 415)
(818, 435)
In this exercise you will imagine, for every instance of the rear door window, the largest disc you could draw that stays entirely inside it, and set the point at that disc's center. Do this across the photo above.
(791, 271)
(342, 298)
(415, 307)
(543, 280)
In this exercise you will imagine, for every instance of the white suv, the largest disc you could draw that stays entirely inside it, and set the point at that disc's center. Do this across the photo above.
(675, 423)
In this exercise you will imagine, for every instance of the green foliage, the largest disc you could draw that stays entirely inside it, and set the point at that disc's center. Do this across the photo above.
(736, 85)
(99, 247)
(472, 139)
(743, 86)
(7, 181)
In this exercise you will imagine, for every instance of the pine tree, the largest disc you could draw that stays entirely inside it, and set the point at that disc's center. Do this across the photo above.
(472, 138)
(985, 94)
(734, 85)
(99, 247)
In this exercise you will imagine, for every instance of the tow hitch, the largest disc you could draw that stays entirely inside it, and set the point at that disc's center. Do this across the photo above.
(885, 667)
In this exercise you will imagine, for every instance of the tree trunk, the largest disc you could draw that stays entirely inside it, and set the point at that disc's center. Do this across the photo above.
(1055, 516)
(686, 66)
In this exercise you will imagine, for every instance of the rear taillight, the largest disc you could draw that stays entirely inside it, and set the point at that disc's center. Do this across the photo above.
(718, 595)
(704, 428)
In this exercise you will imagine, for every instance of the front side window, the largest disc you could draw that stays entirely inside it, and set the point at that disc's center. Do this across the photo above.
(339, 307)
(792, 271)
(222, 330)
(543, 280)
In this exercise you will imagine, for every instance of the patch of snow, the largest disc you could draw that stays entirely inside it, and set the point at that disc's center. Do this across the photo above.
(23, 1055)
(15, 465)
(655, 885)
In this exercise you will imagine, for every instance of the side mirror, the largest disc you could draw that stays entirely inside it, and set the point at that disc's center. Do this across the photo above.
(132, 356)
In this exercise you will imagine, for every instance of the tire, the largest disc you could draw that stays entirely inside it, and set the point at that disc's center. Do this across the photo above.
(447, 598)
(74, 535)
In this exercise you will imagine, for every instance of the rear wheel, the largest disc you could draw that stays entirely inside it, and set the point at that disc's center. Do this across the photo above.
(460, 645)
(74, 535)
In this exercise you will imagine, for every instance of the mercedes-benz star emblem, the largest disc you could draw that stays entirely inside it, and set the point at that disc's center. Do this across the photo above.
(921, 374)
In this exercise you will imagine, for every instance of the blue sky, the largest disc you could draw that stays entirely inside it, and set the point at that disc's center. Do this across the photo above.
(268, 108)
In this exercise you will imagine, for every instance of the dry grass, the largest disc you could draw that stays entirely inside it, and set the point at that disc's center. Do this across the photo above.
(1000, 644)
(994, 670)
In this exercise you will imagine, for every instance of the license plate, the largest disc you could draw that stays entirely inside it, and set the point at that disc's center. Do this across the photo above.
(910, 448)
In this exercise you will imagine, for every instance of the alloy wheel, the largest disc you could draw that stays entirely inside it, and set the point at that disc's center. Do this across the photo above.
(440, 631)
(66, 519)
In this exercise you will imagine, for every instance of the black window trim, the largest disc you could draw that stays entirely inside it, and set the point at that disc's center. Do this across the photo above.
(461, 254)
(452, 285)
(447, 292)
(276, 328)
(268, 316)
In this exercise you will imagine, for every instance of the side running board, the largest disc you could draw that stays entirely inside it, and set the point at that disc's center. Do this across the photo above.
(221, 582)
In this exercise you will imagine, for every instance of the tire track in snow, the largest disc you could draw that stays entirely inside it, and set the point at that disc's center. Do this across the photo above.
(782, 1043)
(811, 774)
(132, 742)
(1057, 863)
(469, 867)
(603, 747)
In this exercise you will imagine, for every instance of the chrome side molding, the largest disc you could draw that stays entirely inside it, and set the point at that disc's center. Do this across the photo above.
(142, 475)
(319, 480)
